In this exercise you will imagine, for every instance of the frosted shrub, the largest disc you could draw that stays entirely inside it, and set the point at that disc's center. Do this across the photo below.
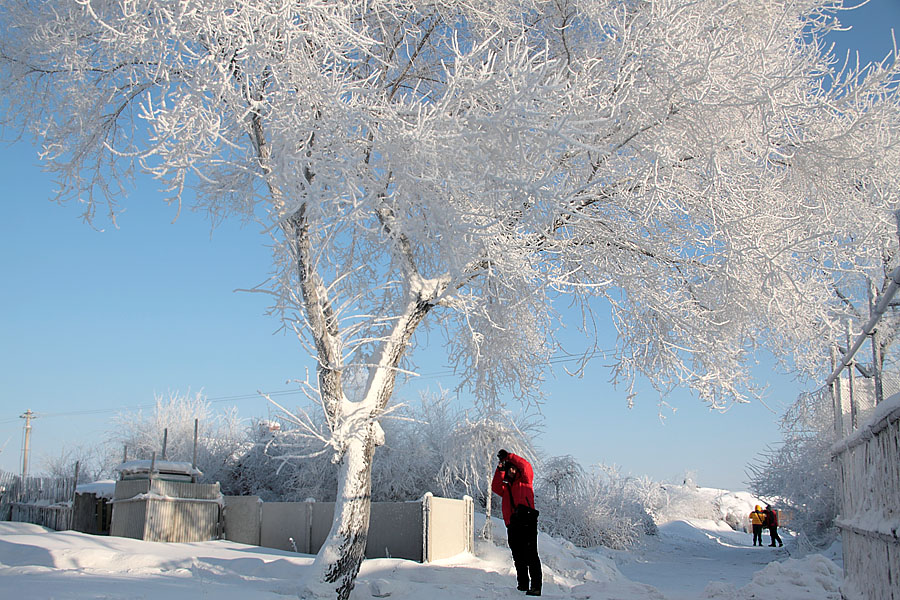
(278, 463)
(409, 462)
(600, 507)
(686, 501)
(800, 472)
(221, 435)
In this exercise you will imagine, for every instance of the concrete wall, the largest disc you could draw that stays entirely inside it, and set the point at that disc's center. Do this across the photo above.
(282, 522)
(395, 528)
(242, 516)
(395, 531)
(322, 516)
(426, 530)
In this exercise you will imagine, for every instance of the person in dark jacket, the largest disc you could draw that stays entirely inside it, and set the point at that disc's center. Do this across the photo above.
(772, 523)
(513, 482)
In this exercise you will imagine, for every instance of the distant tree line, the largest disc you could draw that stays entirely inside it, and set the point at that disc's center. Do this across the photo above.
(434, 446)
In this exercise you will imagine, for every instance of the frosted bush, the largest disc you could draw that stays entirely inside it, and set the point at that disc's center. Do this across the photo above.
(799, 472)
(599, 507)
(220, 435)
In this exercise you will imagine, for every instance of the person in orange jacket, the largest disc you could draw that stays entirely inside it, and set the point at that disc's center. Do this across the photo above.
(757, 519)
(514, 483)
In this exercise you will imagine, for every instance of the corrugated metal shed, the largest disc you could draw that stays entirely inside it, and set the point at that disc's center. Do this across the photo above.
(166, 511)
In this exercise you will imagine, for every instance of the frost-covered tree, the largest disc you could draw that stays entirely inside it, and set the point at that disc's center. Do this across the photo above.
(600, 506)
(417, 442)
(559, 473)
(430, 445)
(87, 457)
(220, 435)
(471, 457)
(698, 166)
(799, 474)
(857, 293)
(254, 471)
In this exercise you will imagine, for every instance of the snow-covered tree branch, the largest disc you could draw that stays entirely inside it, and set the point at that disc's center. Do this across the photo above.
(703, 168)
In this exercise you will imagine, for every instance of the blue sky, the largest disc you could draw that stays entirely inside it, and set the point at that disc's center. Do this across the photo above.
(95, 322)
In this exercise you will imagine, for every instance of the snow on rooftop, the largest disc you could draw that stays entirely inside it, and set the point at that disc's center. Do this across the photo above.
(105, 488)
(160, 466)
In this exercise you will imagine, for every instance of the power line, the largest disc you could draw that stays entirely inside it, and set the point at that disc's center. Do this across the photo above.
(97, 411)
(256, 395)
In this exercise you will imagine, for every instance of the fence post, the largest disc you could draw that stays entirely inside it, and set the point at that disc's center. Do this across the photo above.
(836, 403)
(309, 526)
(426, 528)
(74, 489)
(194, 462)
(876, 350)
(470, 523)
(850, 365)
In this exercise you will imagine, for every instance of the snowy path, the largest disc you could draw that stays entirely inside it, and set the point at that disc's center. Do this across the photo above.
(691, 555)
(689, 560)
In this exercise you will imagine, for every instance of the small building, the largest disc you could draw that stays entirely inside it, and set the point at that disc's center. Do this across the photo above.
(158, 501)
(91, 510)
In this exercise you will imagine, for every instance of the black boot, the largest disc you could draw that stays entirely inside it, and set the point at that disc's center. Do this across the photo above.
(533, 592)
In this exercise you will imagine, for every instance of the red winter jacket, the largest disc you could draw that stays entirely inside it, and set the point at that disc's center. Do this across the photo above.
(521, 489)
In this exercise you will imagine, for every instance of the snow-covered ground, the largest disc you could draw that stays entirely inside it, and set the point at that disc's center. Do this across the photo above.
(691, 558)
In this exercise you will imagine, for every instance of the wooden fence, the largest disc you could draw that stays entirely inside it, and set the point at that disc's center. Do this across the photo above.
(869, 462)
(867, 424)
(45, 501)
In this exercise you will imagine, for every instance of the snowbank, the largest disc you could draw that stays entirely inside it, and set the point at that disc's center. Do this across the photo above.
(690, 502)
(811, 578)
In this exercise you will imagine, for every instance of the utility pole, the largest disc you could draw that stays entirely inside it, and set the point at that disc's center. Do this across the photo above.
(26, 443)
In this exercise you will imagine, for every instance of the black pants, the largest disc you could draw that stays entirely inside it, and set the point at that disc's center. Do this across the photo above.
(522, 539)
(773, 533)
(757, 534)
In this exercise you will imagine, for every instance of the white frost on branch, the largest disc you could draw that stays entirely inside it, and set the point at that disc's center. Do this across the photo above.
(698, 172)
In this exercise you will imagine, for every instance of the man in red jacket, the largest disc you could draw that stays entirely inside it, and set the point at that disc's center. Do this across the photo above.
(513, 482)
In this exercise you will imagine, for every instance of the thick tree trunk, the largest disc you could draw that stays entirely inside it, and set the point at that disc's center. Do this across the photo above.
(338, 561)
(354, 425)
